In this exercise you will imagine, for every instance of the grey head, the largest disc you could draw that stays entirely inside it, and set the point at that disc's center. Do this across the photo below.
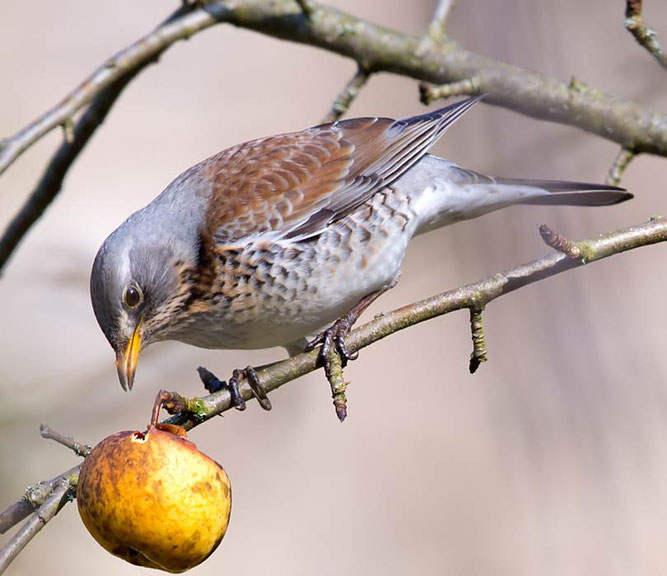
(135, 285)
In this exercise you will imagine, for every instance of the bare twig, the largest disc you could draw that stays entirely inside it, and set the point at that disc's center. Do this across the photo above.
(181, 25)
(334, 373)
(381, 49)
(374, 49)
(475, 295)
(438, 24)
(621, 162)
(190, 412)
(57, 499)
(54, 174)
(35, 495)
(347, 95)
(306, 7)
(68, 130)
(50, 434)
(478, 354)
(560, 243)
(52, 179)
(634, 23)
(467, 87)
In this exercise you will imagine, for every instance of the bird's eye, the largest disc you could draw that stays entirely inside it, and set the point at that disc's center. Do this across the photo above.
(132, 296)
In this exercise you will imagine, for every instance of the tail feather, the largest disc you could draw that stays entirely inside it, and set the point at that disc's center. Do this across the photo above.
(564, 193)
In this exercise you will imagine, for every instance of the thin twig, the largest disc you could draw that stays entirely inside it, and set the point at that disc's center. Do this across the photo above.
(57, 499)
(479, 353)
(645, 36)
(347, 95)
(50, 434)
(560, 243)
(378, 49)
(68, 130)
(52, 179)
(35, 495)
(306, 7)
(374, 47)
(437, 26)
(621, 162)
(381, 49)
(183, 24)
(467, 87)
(334, 373)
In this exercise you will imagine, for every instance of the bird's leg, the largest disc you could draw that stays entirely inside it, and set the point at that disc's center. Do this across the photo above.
(335, 335)
(213, 384)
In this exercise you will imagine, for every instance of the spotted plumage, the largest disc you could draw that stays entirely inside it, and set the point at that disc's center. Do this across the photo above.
(268, 242)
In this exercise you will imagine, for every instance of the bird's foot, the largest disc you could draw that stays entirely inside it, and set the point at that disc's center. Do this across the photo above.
(335, 335)
(213, 384)
(333, 339)
(334, 354)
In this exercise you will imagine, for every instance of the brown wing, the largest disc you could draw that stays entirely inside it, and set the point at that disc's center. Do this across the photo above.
(294, 185)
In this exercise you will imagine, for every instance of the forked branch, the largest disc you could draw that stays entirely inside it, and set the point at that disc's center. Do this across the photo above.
(374, 48)
(634, 22)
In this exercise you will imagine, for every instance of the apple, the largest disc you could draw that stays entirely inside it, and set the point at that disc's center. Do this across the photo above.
(153, 499)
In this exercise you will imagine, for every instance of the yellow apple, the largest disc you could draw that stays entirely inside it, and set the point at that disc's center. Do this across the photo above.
(154, 499)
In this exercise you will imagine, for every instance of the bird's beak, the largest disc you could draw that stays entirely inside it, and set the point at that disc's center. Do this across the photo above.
(126, 360)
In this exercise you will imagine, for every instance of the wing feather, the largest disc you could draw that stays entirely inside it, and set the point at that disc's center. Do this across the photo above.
(294, 185)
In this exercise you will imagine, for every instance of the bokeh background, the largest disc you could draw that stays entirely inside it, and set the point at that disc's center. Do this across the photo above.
(551, 460)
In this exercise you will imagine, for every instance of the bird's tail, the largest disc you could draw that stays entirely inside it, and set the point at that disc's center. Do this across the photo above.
(563, 193)
(444, 193)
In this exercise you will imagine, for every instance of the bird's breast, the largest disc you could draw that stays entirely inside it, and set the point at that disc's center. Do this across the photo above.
(267, 294)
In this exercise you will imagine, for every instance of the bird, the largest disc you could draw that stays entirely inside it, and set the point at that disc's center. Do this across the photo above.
(275, 240)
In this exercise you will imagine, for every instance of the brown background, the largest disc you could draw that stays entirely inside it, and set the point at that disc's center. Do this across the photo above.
(551, 460)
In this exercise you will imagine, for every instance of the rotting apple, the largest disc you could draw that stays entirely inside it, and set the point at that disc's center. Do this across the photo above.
(153, 499)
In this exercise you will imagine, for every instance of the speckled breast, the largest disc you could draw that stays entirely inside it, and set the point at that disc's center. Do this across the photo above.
(276, 293)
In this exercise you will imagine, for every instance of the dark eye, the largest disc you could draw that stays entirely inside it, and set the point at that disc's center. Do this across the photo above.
(132, 296)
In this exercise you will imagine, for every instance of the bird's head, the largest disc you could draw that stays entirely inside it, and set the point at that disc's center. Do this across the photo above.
(135, 290)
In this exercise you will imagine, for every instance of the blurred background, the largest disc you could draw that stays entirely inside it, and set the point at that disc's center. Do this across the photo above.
(552, 459)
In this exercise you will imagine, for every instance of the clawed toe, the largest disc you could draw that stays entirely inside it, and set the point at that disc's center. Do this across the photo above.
(336, 334)
(213, 384)
(333, 338)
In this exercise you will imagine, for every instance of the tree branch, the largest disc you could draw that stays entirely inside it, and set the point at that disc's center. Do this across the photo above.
(378, 49)
(473, 296)
(190, 412)
(34, 497)
(58, 498)
(181, 25)
(620, 164)
(467, 87)
(437, 26)
(374, 48)
(52, 179)
(78, 448)
(344, 100)
(478, 354)
(634, 23)
(306, 7)
(76, 138)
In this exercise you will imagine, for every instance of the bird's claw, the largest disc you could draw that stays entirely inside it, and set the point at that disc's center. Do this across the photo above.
(213, 384)
(334, 336)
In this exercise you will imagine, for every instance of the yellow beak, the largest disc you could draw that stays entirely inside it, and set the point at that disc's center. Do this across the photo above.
(126, 360)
